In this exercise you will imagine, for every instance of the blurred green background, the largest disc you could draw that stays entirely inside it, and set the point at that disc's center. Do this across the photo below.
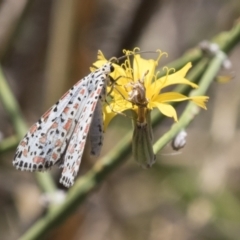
(47, 45)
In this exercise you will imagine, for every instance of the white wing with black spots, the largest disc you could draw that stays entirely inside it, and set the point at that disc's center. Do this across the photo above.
(46, 140)
(66, 124)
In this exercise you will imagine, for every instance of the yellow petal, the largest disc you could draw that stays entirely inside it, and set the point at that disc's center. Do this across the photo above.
(200, 101)
(118, 93)
(100, 56)
(175, 78)
(170, 97)
(97, 65)
(141, 67)
(109, 112)
(122, 105)
(166, 110)
(178, 97)
(119, 96)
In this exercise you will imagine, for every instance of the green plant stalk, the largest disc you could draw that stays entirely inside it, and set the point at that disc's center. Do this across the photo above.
(229, 39)
(226, 41)
(11, 106)
(8, 143)
(192, 109)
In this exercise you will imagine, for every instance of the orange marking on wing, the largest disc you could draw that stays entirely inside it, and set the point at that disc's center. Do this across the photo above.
(23, 143)
(33, 128)
(38, 159)
(66, 109)
(82, 91)
(55, 156)
(54, 125)
(86, 129)
(93, 106)
(43, 139)
(25, 152)
(70, 149)
(68, 124)
(76, 106)
(58, 143)
(99, 91)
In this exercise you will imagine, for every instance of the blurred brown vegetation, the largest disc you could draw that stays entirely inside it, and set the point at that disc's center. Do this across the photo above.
(47, 45)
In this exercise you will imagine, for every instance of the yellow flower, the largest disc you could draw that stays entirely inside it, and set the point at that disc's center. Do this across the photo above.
(139, 87)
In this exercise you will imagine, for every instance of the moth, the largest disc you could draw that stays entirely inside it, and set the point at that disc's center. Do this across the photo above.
(59, 136)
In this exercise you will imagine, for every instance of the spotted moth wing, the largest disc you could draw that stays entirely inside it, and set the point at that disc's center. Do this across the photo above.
(47, 139)
(77, 143)
(64, 125)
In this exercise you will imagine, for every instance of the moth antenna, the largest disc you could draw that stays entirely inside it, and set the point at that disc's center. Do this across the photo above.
(116, 60)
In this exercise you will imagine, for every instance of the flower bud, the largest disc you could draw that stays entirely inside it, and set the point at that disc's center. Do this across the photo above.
(179, 141)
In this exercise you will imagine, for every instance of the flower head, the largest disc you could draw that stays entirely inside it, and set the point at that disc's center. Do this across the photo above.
(138, 88)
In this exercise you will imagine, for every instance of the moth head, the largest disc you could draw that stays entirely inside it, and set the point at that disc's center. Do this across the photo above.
(107, 68)
(111, 68)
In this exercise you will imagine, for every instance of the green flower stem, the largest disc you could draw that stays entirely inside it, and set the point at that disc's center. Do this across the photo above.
(228, 40)
(11, 106)
(192, 109)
